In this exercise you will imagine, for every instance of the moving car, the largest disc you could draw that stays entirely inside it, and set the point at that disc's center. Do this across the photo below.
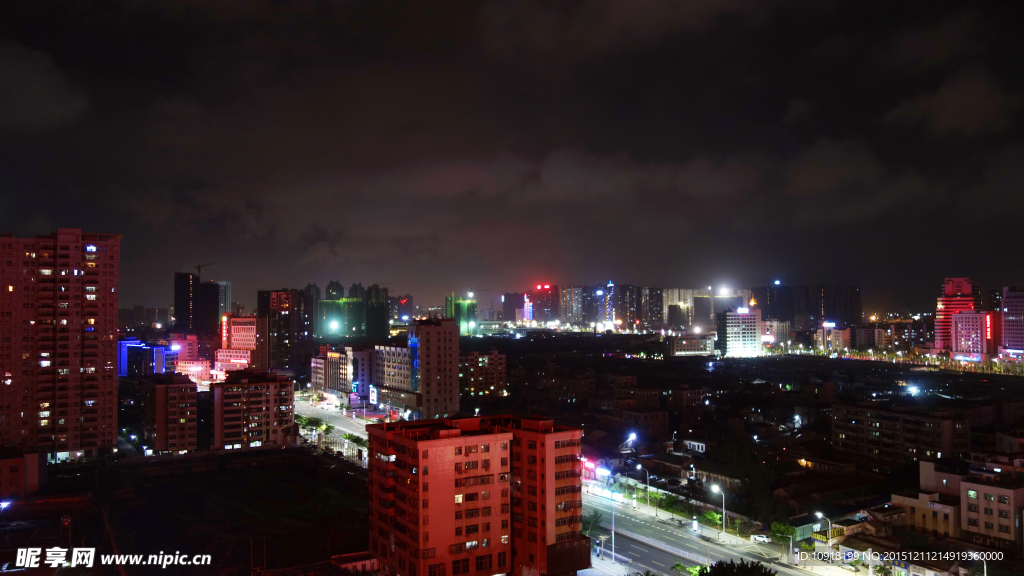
(760, 538)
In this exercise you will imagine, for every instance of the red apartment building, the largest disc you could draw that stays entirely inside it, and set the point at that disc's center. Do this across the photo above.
(58, 330)
(482, 374)
(169, 412)
(958, 295)
(253, 409)
(476, 496)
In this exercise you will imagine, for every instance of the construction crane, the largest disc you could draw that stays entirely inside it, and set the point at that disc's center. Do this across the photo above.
(199, 270)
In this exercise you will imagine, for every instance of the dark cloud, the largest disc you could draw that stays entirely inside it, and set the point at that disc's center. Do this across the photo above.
(968, 103)
(35, 95)
(438, 146)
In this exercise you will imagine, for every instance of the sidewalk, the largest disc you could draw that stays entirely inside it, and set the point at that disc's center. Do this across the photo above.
(607, 568)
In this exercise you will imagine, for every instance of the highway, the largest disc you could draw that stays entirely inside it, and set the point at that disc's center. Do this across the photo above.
(668, 532)
(342, 423)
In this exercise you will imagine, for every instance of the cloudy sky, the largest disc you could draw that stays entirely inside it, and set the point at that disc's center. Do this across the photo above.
(474, 145)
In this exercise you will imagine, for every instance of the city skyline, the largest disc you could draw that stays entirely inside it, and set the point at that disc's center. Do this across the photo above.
(662, 145)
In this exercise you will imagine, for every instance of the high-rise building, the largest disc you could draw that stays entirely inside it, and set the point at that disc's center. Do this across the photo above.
(482, 374)
(627, 305)
(406, 309)
(421, 379)
(976, 335)
(463, 311)
(606, 303)
(510, 302)
(136, 359)
(651, 307)
(289, 322)
(739, 333)
(571, 308)
(169, 413)
(546, 299)
(958, 295)
(357, 291)
(1012, 302)
(223, 297)
(775, 301)
(59, 370)
(335, 290)
(313, 297)
(184, 287)
(245, 343)
(504, 494)
(327, 380)
(253, 409)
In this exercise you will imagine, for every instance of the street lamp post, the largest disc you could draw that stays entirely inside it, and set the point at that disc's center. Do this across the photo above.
(820, 515)
(639, 467)
(716, 490)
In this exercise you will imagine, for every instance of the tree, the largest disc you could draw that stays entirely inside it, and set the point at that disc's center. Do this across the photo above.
(712, 518)
(883, 570)
(646, 573)
(328, 429)
(781, 530)
(314, 422)
(679, 567)
(741, 568)
(697, 570)
(591, 522)
(745, 527)
(806, 546)
(302, 421)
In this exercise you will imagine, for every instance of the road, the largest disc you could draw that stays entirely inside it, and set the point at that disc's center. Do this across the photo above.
(344, 424)
(668, 532)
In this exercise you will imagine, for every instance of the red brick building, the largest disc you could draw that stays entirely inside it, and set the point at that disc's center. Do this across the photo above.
(476, 496)
(58, 323)
(253, 409)
(169, 412)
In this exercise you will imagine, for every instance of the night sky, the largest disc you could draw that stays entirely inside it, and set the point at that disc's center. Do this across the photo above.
(457, 145)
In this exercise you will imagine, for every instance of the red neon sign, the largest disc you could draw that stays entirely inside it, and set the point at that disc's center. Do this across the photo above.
(988, 326)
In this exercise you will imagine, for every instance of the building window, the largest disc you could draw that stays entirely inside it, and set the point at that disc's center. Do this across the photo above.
(1004, 528)
(972, 494)
(972, 522)
(989, 497)
(1004, 499)
(435, 570)
(988, 511)
(1004, 514)
(988, 525)
(972, 507)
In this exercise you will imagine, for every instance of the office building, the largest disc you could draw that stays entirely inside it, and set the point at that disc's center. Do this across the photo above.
(816, 304)
(358, 373)
(976, 335)
(775, 301)
(690, 345)
(169, 413)
(136, 359)
(289, 324)
(1013, 322)
(223, 297)
(184, 287)
(421, 379)
(606, 300)
(890, 438)
(546, 300)
(503, 494)
(249, 333)
(571, 307)
(483, 374)
(958, 295)
(739, 333)
(510, 303)
(833, 338)
(253, 409)
(197, 305)
(627, 306)
(327, 380)
(59, 369)
(313, 297)
(774, 332)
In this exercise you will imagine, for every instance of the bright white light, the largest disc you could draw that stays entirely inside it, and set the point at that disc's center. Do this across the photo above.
(470, 294)
(4, 505)
(405, 318)
(335, 325)
(715, 488)
(632, 436)
(638, 467)
(599, 292)
(913, 390)
(743, 310)
(603, 471)
(777, 282)
(696, 329)
(819, 514)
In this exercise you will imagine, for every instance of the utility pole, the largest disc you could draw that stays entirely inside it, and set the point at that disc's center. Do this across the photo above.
(613, 535)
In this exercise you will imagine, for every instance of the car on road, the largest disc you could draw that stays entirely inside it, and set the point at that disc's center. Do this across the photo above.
(675, 482)
(761, 538)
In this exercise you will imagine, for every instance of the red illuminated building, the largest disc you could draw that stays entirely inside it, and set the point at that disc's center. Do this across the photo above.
(58, 374)
(958, 295)
(476, 496)
(546, 301)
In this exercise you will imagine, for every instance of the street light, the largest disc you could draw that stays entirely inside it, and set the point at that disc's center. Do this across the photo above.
(639, 467)
(716, 490)
(820, 515)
